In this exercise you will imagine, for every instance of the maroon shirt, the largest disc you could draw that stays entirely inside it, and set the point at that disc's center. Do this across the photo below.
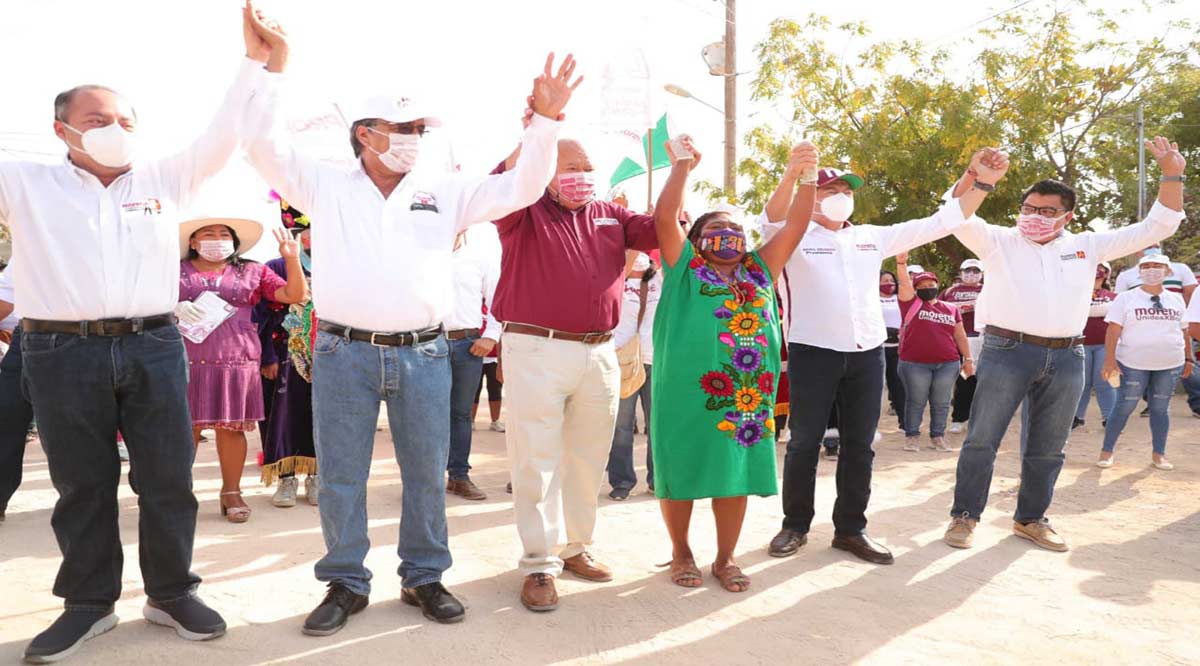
(928, 337)
(565, 269)
(1096, 328)
(964, 296)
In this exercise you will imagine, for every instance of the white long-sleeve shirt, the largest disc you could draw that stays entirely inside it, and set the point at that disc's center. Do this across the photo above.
(84, 251)
(1046, 289)
(476, 273)
(833, 277)
(385, 264)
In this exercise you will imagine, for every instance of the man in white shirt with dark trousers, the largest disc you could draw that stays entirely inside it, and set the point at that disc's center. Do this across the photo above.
(382, 242)
(96, 272)
(835, 347)
(1035, 303)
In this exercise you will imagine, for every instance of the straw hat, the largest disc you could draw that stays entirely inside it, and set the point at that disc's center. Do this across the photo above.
(248, 232)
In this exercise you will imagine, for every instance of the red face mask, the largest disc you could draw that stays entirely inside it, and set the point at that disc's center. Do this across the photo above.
(887, 289)
(577, 186)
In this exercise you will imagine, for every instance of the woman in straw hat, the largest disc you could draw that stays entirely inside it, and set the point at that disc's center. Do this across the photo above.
(223, 349)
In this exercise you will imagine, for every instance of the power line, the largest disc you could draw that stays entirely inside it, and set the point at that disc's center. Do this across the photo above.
(981, 21)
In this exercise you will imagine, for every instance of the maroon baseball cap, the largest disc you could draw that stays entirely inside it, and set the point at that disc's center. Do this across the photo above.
(827, 175)
(924, 275)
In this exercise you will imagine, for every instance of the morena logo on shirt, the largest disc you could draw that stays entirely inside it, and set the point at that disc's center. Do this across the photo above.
(149, 206)
(867, 247)
(1077, 254)
(809, 251)
(424, 201)
(936, 317)
(1159, 314)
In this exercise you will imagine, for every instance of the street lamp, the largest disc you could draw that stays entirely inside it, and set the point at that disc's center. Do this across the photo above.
(680, 92)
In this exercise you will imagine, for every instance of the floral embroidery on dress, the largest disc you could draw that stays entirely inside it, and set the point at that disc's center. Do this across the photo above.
(741, 387)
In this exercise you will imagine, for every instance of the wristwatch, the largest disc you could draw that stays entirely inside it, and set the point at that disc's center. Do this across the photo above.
(986, 187)
(1171, 179)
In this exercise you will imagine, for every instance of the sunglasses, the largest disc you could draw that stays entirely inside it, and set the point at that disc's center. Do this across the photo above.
(1156, 303)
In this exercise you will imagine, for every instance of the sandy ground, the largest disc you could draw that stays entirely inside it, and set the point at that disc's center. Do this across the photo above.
(1126, 593)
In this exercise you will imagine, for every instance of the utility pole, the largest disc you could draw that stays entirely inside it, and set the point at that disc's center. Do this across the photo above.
(1141, 144)
(730, 97)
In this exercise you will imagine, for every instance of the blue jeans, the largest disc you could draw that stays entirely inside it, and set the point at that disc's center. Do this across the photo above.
(16, 415)
(819, 378)
(1106, 395)
(932, 383)
(1133, 385)
(466, 370)
(620, 457)
(1008, 371)
(350, 378)
(83, 390)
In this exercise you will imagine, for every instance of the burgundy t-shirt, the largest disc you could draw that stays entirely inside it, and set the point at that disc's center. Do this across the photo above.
(1095, 328)
(929, 336)
(964, 296)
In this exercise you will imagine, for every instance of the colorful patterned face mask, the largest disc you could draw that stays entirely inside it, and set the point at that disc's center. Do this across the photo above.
(724, 244)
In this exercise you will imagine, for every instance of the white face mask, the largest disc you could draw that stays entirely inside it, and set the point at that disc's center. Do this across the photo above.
(972, 278)
(1153, 276)
(402, 151)
(837, 207)
(112, 145)
(215, 250)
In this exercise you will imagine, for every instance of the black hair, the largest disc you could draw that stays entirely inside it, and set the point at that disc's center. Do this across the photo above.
(648, 274)
(894, 277)
(697, 228)
(62, 101)
(355, 144)
(1052, 187)
(236, 260)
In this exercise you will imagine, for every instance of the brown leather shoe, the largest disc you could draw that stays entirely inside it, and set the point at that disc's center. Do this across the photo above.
(786, 543)
(465, 489)
(587, 568)
(862, 547)
(538, 593)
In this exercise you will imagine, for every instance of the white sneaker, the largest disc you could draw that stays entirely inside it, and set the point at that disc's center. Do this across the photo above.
(122, 452)
(312, 489)
(939, 444)
(1104, 463)
(957, 428)
(285, 493)
(496, 426)
(1163, 464)
(912, 444)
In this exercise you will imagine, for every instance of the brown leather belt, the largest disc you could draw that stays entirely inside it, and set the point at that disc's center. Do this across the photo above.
(381, 339)
(1051, 343)
(461, 333)
(596, 338)
(109, 328)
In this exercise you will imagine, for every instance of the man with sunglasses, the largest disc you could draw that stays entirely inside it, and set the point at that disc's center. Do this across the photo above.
(1034, 304)
(383, 242)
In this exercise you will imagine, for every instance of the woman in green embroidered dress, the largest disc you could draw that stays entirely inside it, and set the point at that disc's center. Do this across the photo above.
(716, 340)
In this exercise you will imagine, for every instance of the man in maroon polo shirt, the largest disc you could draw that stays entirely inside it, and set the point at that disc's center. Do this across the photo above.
(559, 296)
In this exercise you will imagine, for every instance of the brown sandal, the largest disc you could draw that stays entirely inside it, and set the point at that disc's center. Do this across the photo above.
(234, 514)
(684, 572)
(732, 578)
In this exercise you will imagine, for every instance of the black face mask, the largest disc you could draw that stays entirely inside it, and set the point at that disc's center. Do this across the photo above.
(927, 294)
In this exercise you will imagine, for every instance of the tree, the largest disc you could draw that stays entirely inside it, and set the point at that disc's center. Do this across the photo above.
(1058, 102)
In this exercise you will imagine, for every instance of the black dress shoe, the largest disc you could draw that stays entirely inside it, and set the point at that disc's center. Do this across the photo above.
(786, 543)
(619, 494)
(67, 633)
(862, 547)
(435, 601)
(334, 611)
(1076, 423)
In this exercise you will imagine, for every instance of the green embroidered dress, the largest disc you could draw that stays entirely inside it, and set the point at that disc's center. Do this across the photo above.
(716, 364)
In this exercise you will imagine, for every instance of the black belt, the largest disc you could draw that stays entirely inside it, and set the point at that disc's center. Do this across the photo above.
(382, 339)
(1052, 343)
(102, 327)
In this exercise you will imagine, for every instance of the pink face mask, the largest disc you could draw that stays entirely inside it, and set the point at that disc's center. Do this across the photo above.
(577, 186)
(1037, 228)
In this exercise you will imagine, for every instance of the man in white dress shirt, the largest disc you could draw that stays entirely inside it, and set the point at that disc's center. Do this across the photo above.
(1035, 304)
(96, 271)
(835, 349)
(476, 272)
(383, 239)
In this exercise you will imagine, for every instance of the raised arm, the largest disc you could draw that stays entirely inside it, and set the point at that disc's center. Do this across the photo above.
(296, 290)
(776, 252)
(671, 236)
(1165, 215)
(781, 198)
(904, 283)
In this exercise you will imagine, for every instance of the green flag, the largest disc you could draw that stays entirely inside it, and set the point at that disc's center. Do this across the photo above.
(628, 168)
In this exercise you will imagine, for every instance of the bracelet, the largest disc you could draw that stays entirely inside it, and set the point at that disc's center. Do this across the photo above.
(968, 360)
(986, 187)
(1171, 179)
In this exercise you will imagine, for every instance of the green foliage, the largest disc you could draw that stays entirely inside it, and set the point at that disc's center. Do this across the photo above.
(1058, 93)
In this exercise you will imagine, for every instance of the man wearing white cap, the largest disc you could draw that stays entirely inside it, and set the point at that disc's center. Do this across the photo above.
(835, 349)
(382, 240)
(963, 294)
(1035, 305)
(95, 242)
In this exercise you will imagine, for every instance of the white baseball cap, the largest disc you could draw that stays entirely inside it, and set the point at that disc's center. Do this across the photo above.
(393, 110)
(1155, 259)
(971, 263)
(915, 268)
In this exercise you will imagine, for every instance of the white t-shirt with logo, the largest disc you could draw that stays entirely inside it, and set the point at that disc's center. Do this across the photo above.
(1151, 336)
(627, 326)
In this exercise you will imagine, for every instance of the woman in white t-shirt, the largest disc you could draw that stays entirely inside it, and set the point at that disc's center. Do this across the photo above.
(642, 279)
(1146, 345)
(891, 347)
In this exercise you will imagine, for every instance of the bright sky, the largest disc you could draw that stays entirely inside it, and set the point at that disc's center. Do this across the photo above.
(472, 60)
